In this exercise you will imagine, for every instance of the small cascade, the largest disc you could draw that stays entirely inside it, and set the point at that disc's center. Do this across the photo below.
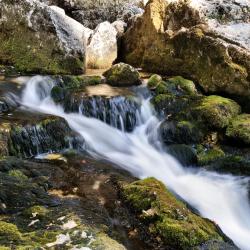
(47, 135)
(119, 111)
(221, 198)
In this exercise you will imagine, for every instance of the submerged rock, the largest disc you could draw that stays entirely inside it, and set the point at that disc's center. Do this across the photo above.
(172, 37)
(122, 75)
(39, 38)
(168, 219)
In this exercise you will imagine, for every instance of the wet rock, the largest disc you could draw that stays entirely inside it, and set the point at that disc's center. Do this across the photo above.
(171, 220)
(28, 137)
(239, 129)
(102, 47)
(121, 75)
(183, 131)
(186, 155)
(118, 111)
(233, 164)
(154, 81)
(173, 38)
(206, 156)
(216, 111)
(39, 38)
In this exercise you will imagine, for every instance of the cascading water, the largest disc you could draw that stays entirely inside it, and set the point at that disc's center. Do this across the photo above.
(221, 198)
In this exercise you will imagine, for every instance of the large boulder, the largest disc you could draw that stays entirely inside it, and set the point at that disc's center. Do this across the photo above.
(102, 46)
(35, 37)
(196, 39)
(91, 13)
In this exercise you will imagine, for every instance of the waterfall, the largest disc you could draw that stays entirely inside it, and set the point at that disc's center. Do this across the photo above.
(221, 198)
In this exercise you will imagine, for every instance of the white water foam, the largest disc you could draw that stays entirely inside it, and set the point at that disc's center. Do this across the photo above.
(221, 198)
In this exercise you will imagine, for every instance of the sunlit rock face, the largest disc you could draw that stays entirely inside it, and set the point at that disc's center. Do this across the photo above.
(36, 37)
(102, 46)
(195, 39)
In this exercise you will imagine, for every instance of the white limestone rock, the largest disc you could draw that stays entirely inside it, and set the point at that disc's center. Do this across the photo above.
(102, 46)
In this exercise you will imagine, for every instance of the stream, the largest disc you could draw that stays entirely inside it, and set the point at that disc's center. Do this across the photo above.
(221, 198)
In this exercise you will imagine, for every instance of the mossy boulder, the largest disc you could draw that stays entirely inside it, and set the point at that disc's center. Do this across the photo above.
(177, 86)
(207, 156)
(33, 39)
(216, 111)
(182, 132)
(154, 81)
(185, 85)
(166, 217)
(233, 164)
(122, 75)
(188, 48)
(239, 129)
(9, 232)
(36, 212)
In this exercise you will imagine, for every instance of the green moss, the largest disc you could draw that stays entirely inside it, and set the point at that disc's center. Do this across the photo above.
(36, 211)
(28, 53)
(166, 217)
(206, 157)
(18, 174)
(57, 93)
(9, 233)
(122, 74)
(186, 85)
(153, 81)
(161, 88)
(216, 111)
(162, 98)
(239, 128)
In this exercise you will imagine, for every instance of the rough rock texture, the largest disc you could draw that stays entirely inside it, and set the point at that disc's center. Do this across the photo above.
(122, 74)
(37, 38)
(172, 37)
(239, 129)
(168, 219)
(29, 136)
(91, 13)
(102, 47)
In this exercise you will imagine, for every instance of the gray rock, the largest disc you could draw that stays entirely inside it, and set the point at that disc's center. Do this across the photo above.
(39, 38)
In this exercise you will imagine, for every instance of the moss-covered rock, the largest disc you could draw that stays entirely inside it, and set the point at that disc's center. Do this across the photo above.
(214, 62)
(216, 111)
(166, 217)
(32, 39)
(9, 233)
(183, 84)
(154, 81)
(233, 164)
(18, 174)
(36, 212)
(239, 129)
(182, 132)
(122, 74)
(27, 136)
(207, 156)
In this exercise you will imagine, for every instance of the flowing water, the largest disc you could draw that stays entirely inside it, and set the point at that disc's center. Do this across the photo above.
(221, 198)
